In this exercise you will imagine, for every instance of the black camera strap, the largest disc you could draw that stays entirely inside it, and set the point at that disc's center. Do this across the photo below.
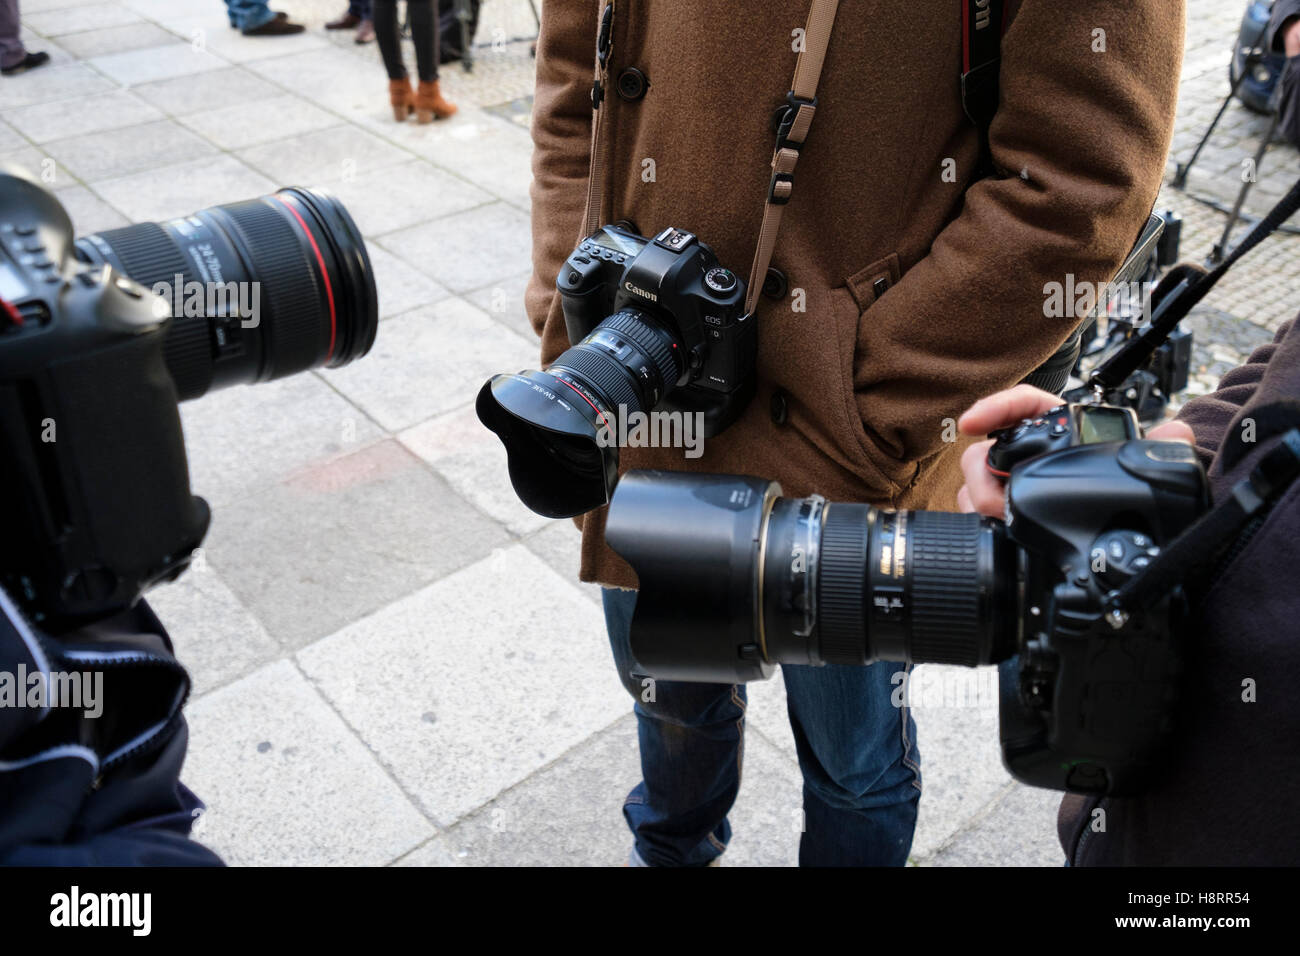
(982, 24)
(791, 133)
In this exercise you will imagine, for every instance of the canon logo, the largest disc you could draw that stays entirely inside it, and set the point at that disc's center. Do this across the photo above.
(641, 292)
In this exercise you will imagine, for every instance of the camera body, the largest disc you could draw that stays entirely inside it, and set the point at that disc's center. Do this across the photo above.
(1088, 700)
(735, 578)
(95, 477)
(675, 279)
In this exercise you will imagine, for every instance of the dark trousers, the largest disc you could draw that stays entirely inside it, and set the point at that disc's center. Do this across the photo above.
(424, 33)
(11, 48)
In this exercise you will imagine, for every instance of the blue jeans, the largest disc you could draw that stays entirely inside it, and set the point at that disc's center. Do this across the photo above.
(248, 14)
(359, 8)
(858, 754)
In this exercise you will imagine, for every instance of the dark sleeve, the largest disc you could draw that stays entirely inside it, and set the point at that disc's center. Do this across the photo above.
(1283, 12)
(1210, 415)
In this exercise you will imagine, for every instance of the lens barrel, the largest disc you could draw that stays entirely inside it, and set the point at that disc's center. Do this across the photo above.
(560, 427)
(257, 290)
(812, 582)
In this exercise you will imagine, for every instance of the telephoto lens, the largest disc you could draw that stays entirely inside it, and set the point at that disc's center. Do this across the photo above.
(560, 425)
(735, 579)
(257, 290)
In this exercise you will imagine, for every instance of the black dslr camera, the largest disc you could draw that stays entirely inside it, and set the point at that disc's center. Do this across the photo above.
(657, 324)
(94, 358)
(735, 579)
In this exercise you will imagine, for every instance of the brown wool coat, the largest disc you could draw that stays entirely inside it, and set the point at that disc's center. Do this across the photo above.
(872, 384)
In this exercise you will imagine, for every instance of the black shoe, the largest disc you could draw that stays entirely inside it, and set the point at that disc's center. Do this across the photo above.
(30, 62)
(280, 26)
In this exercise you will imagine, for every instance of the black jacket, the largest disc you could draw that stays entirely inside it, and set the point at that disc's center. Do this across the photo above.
(1288, 85)
(1232, 796)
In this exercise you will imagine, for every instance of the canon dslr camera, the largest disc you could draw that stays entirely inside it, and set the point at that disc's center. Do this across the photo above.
(95, 484)
(657, 324)
(735, 578)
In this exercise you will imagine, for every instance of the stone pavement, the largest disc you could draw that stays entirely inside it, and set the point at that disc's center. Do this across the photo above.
(393, 660)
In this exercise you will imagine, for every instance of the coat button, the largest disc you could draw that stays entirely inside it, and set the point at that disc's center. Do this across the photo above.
(780, 407)
(632, 84)
(775, 284)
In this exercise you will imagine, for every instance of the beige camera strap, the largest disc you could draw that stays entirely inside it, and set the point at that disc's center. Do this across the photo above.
(791, 134)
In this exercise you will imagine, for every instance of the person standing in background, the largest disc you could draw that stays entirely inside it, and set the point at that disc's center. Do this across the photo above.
(1284, 37)
(253, 18)
(14, 58)
(427, 101)
(357, 17)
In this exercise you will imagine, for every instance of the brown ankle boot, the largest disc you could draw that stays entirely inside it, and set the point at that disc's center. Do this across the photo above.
(429, 103)
(402, 97)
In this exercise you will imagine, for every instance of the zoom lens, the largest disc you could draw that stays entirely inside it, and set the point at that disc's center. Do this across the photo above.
(257, 290)
(734, 579)
(560, 427)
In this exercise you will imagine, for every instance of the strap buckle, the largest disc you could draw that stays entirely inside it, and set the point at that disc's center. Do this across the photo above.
(786, 121)
(772, 196)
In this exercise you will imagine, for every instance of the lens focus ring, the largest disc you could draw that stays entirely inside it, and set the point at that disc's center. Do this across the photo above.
(650, 340)
(947, 620)
(841, 589)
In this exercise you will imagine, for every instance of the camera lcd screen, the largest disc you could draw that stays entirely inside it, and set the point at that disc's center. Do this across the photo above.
(619, 243)
(1104, 424)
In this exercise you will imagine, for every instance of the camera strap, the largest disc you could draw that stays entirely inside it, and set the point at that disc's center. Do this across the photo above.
(596, 171)
(791, 133)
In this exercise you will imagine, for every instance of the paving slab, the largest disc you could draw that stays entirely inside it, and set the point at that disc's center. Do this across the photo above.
(288, 784)
(467, 686)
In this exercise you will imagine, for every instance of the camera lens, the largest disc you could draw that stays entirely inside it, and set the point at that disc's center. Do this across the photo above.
(735, 578)
(257, 289)
(561, 426)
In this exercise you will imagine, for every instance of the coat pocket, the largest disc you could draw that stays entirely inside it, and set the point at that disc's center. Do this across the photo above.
(852, 304)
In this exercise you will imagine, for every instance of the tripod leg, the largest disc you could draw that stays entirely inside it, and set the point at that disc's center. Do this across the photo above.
(1221, 248)
(467, 55)
(1180, 180)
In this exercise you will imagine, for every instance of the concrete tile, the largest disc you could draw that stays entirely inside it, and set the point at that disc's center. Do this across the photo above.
(286, 783)
(52, 83)
(571, 813)
(434, 853)
(51, 121)
(490, 152)
(767, 713)
(413, 373)
(179, 190)
(505, 667)
(40, 164)
(89, 213)
(504, 301)
(473, 461)
(260, 121)
(395, 197)
(212, 30)
(216, 638)
(10, 138)
(335, 78)
(156, 63)
(961, 762)
(468, 250)
(78, 19)
(117, 152)
(116, 39)
(345, 537)
(559, 544)
(401, 286)
(1020, 830)
(244, 439)
(322, 157)
(767, 819)
(160, 10)
(205, 91)
(40, 6)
